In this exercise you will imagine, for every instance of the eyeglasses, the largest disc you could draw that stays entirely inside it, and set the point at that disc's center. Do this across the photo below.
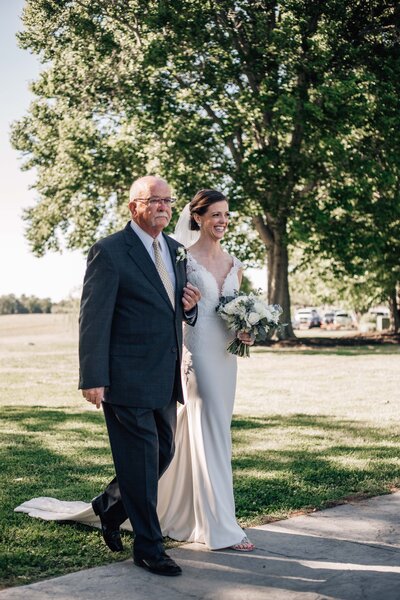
(153, 200)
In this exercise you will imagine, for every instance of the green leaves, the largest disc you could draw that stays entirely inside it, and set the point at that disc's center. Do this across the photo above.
(284, 106)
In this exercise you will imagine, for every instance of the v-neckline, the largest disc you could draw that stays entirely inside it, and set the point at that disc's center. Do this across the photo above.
(220, 290)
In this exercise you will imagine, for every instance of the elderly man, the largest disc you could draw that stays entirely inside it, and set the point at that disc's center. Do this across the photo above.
(135, 297)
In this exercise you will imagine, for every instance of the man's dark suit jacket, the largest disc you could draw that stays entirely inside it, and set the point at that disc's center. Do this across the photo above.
(130, 336)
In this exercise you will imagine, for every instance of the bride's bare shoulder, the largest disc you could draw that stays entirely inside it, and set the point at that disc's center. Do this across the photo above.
(193, 249)
(235, 262)
(192, 253)
(230, 258)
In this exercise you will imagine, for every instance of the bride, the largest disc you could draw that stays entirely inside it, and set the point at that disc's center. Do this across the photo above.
(195, 496)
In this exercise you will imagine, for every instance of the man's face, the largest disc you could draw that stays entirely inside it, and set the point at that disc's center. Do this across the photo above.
(152, 217)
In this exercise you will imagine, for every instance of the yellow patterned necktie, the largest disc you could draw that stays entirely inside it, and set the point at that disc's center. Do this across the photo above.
(162, 271)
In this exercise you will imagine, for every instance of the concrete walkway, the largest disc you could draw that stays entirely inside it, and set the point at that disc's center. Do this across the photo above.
(350, 552)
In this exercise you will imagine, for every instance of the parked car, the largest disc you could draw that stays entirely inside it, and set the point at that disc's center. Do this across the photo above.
(328, 318)
(306, 318)
(343, 319)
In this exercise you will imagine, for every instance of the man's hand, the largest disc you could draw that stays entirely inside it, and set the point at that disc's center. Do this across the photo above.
(94, 395)
(191, 296)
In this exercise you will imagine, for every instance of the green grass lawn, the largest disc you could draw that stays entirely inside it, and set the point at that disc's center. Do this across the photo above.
(311, 428)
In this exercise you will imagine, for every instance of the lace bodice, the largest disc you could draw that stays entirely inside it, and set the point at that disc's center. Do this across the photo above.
(199, 276)
(210, 334)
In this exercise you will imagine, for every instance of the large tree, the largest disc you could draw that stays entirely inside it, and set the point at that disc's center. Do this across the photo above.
(262, 99)
(358, 228)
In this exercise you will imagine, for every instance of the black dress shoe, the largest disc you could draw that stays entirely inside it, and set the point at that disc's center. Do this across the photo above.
(164, 565)
(111, 532)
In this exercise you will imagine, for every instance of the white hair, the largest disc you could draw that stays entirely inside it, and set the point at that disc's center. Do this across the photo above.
(138, 185)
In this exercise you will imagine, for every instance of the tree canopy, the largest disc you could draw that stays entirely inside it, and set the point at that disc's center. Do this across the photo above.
(275, 103)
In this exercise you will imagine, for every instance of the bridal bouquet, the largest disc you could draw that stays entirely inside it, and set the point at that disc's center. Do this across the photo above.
(251, 314)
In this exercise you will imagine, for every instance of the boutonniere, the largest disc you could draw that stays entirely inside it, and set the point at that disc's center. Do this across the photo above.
(181, 254)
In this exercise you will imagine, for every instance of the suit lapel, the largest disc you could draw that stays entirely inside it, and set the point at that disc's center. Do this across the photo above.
(138, 253)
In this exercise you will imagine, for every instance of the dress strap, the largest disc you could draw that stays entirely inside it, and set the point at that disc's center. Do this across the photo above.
(237, 264)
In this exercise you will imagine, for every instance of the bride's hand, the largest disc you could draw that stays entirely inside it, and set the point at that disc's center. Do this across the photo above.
(191, 296)
(246, 338)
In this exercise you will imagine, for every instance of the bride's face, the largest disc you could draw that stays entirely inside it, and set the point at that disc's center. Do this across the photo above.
(215, 220)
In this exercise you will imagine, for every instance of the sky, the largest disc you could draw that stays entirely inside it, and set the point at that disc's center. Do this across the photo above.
(55, 275)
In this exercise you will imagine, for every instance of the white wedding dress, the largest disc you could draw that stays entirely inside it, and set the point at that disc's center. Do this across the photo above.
(195, 498)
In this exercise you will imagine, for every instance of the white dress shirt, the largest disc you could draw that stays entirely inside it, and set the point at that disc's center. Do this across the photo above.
(147, 241)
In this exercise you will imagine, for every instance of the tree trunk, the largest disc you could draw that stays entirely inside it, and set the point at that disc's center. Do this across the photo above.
(274, 238)
(278, 284)
(394, 305)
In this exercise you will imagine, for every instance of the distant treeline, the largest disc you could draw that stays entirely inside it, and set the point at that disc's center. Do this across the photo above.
(11, 305)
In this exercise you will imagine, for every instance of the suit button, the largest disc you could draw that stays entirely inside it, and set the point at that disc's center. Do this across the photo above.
(174, 350)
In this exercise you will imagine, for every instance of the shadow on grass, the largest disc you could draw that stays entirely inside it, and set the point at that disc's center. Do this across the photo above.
(384, 350)
(54, 450)
(39, 418)
(60, 453)
(379, 342)
(283, 464)
(317, 423)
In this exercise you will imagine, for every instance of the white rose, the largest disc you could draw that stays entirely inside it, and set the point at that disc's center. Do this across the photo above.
(253, 318)
(230, 308)
(259, 307)
(268, 315)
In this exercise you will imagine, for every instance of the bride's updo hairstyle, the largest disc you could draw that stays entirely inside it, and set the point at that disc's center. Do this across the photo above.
(202, 200)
